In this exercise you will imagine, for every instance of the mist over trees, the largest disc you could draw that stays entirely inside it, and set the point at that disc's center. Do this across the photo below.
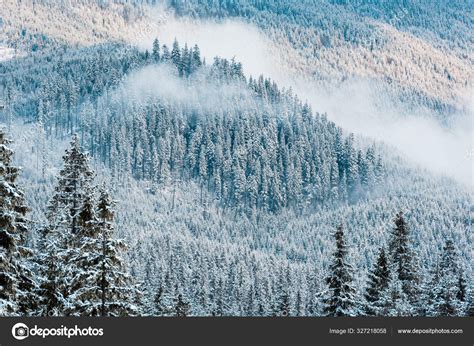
(268, 150)
(333, 40)
(230, 187)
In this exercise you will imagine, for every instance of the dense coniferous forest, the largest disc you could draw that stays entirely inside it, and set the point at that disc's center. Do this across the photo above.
(265, 150)
(155, 182)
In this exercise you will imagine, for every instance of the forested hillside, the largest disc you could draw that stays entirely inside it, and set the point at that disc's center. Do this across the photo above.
(415, 47)
(157, 182)
(257, 147)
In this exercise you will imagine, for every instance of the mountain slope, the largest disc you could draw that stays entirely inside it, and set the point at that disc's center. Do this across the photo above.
(332, 42)
(425, 60)
(230, 187)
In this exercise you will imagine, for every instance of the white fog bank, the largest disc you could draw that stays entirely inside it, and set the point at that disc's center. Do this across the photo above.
(355, 105)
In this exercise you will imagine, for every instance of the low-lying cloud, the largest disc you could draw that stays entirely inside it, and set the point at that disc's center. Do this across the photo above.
(227, 39)
(162, 82)
(355, 105)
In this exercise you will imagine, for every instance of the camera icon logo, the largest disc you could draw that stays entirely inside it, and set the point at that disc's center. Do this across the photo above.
(20, 331)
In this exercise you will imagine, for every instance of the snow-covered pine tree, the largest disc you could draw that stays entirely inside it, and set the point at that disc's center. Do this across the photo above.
(184, 61)
(61, 237)
(446, 302)
(196, 58)
(165, 56)
(84, 258)
(299, 306)
(17, 284)
(462, 295)
(283, 304)
(341, 298)
(119, 294)
(52, 257)
(176, 54)
(402, 258)
(156, 50)
(430, 280)
(158, 307)
(74, 181)
(379, 279)
(101, 286)
(393, 301)
(181, 306)
(282, 295)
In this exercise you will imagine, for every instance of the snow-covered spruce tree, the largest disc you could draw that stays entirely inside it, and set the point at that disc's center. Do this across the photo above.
(51, 258)
(299, 306)
(282, 301)
(176, 54)
(430, 280)
(393, 300)
(181, 307)
(341, 294)
(102, 286)
(17, 284)
(447, 288)
(119, 294)
(379, 279)
(156, 50)
(402, 259)
(61, 236)
(158, 307)
(84, 262)
(283, 304)
(74, 182)
(462, 295)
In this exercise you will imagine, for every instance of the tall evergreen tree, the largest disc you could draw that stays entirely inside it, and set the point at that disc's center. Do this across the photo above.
(195, 58)
(176, 54)
(394, 302)
(53, 287)
(379, 280)
(156, 50)
(61, 238)
(83, 260)
(462, 295)
(102, 287)
(181, 306)
(448, 288)
(282, 307)
(165, 56)
(74, 182)
(402, 258)
(341, 298)
(430, 280)
(118, 292)
(17, 283)
(158, 307)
